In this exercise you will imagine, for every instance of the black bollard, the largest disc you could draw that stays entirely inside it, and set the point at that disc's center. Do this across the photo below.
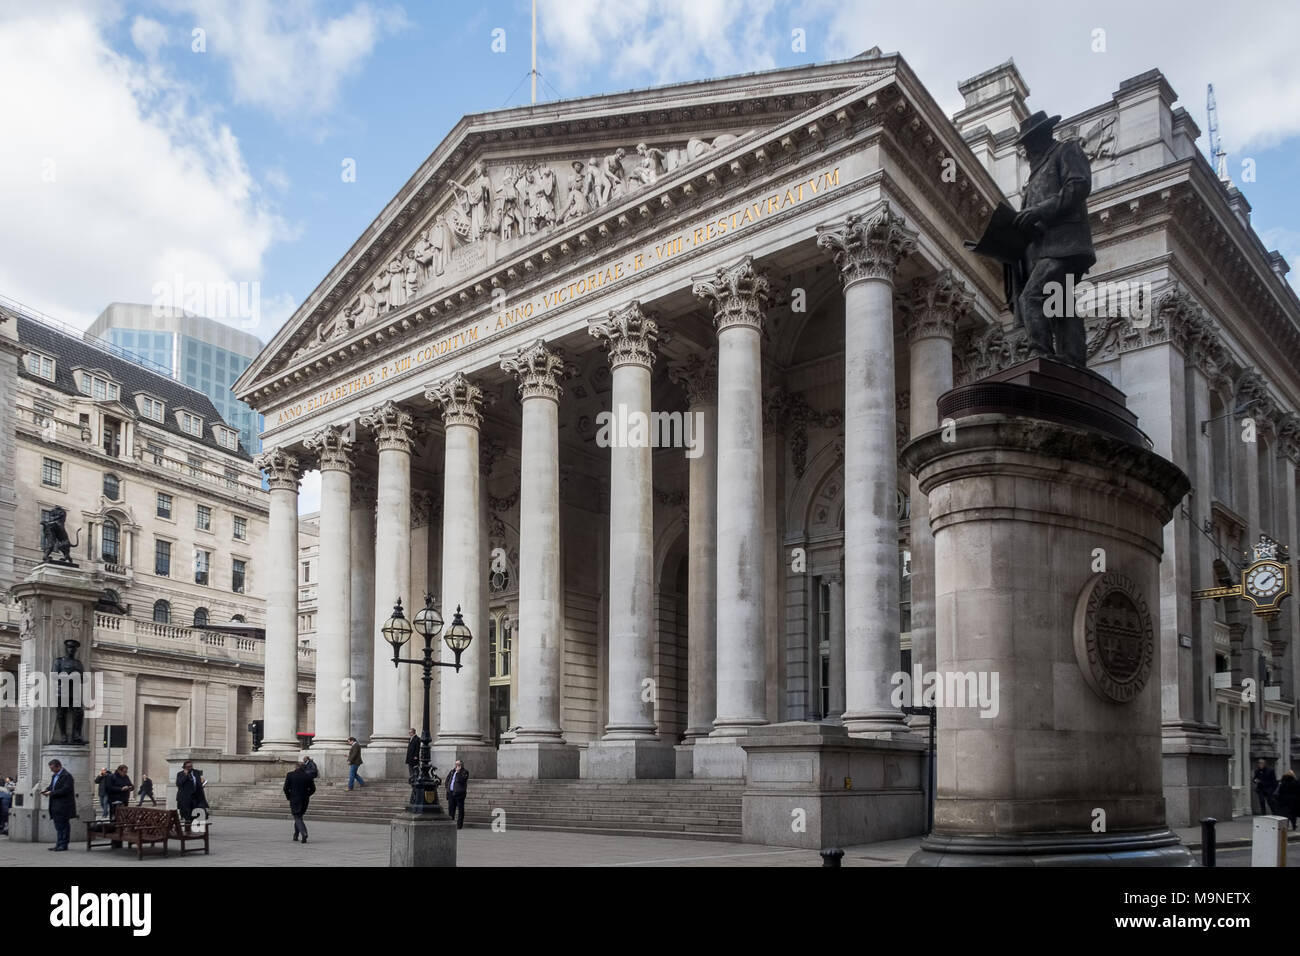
(1207, 841)
(832, 856)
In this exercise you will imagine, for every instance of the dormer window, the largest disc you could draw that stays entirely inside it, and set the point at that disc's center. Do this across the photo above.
(151, 408)
(97, 387)
(191, 424)
(41, 365)
(227, 438)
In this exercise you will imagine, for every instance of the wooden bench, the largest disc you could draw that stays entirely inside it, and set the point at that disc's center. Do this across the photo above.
(188, 833)
(140, 825)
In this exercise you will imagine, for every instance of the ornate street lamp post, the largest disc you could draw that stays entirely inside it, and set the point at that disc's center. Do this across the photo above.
(397, 630)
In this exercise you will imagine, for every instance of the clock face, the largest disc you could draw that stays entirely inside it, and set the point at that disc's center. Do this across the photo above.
(1265, 580)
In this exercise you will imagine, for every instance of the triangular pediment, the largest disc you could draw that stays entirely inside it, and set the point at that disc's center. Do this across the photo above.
(504, 182)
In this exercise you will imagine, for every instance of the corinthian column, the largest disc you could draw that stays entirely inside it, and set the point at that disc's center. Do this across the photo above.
(280, 676)
(739, 295)
(699, 377)
(461, 718)
(333, 447)
(538, 748)
(629, 747)
(933, 307)
(363, 605)
(391, 426)
(867, 248)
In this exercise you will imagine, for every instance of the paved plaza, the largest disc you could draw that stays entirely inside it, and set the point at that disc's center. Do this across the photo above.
(246, 841)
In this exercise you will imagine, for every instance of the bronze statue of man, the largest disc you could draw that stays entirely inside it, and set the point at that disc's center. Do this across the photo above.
(68, 692)
(1054, 219)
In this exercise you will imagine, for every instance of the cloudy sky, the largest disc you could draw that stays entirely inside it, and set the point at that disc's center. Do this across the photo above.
(157, 143)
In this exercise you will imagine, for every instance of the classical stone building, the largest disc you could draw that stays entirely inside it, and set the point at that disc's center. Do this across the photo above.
(167, 514)
(624, 380)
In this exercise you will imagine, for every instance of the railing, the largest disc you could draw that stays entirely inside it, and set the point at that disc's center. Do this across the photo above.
(148, 635)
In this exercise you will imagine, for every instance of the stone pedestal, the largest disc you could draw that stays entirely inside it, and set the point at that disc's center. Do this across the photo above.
(1048, 511)
(535, 760)
(480, 760)
(1195, 775)
(422, 840)
(718, 758)
(813, 786)
(57, 606)
(630, 760)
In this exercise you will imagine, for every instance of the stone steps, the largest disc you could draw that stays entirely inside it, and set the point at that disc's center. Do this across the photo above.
(662, 808)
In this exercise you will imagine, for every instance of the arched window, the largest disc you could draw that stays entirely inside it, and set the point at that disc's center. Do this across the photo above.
(200, 617)
(239, 619)
(162, 612)
(110, 539)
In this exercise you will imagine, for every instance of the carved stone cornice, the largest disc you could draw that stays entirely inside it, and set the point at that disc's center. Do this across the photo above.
(790, 412)
(1252, 392)
(933, 306)
(282, 469)
(1288, 437)
(629, 335)
(698, 377)
(422, 509)
(393, 426)
(459, 398)
(740, 294)
(332, 446)
(364, 491)
(537, 369)
(868, 245)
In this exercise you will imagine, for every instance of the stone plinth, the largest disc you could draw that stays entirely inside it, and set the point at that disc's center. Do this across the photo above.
(718, 757)
(225, 774)
(537, 761)
(1048, 538)
(57, 606)
(479, 760)
(630, 760)
(422, 840)
(814, 786)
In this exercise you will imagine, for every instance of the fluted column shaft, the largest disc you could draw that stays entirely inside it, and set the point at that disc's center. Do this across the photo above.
(541, 578)
(362, 586)
(867, 249)
(391, 426)
(630, 337)
(333, 447)
(280, 675)
(739, 295)
(836, 704)
(461, 717)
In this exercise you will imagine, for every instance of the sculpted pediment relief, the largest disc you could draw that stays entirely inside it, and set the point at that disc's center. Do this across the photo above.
(502, 205)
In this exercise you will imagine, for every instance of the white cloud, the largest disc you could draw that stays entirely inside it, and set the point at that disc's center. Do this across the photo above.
(309, 493)
(290, 59)
(148, 35)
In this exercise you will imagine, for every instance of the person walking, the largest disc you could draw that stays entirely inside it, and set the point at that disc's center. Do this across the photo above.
(1288, 797)
(62, 792)
(309, 767)
(457, 786)
(1265, 782)
(101, 781)
(189, 792)
(146, 790)
(119, 789)
(354, 763)
(412, 755)
(298, 788)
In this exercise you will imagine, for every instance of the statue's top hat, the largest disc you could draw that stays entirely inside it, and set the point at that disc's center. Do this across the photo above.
(1035, 122)
(72, 644)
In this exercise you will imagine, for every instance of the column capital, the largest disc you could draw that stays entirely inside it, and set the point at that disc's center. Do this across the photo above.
(281, 469)
(393, 426)
(459, 398)
(1288, 437)
(740, 294)
(933, 306)
(629, 335)
(537, 368)
(698, 377)
(333, 446)
(868, 245)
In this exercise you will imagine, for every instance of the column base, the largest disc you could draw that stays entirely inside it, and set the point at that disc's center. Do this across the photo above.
(631, 760)
(422, 840)
(479, 759)
(1195, 774)
(385, 759)
(1143, 848)
(878, 725)
(537, 760)
(719, 758)
(288, 747)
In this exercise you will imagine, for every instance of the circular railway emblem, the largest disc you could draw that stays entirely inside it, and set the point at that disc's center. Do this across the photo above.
(1114, 640)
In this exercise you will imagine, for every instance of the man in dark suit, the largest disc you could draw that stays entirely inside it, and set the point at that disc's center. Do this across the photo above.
(298, 788)
(412, 755)
(457, 785)
(63, 804)
(189, 792)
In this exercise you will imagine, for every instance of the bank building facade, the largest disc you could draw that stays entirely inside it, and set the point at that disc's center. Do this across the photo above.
(624, 379)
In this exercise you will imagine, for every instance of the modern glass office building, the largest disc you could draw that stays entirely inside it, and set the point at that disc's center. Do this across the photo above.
(198, 351)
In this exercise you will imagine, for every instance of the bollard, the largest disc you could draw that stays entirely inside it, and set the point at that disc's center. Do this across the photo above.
(1207, 841)
(832, 856)
(1268, 844)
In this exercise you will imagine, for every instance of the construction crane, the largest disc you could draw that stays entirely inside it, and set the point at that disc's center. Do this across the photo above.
(1218, 158)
